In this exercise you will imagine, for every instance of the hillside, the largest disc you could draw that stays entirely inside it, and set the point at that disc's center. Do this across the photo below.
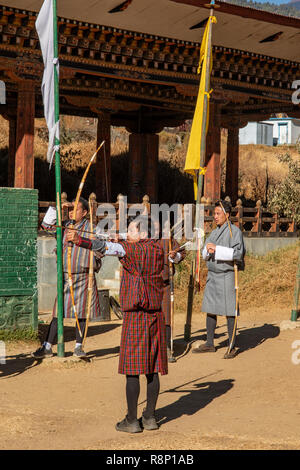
(295, 4)
(287, 9)
(259, 166)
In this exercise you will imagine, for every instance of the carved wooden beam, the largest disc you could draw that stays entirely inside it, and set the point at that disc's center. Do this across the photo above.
(97, 105)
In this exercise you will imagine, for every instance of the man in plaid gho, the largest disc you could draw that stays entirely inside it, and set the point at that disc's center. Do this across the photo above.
(80, 258)
(143, 348)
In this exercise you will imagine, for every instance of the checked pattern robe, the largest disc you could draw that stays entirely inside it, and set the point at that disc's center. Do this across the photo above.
(80, 277)
(143, 347)
(166, 301)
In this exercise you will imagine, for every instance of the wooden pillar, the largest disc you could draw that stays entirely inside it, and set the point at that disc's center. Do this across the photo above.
(136, 168)
(11, 151)
(103, 162)
(232, 164)
(212, 180)
(151, 149)
(143, 166)
(24, 161)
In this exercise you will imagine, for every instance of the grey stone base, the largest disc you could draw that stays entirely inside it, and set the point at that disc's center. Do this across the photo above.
(261, 245)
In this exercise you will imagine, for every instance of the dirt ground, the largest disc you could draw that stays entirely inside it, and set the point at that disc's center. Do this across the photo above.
(206, 402)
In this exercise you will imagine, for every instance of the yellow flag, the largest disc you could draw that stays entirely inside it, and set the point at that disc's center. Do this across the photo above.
(192, 162)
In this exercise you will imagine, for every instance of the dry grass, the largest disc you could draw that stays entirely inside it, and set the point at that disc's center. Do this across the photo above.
(269, 279)
(259, 167)
(76, 155)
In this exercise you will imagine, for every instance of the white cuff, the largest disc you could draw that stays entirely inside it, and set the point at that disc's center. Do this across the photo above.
(50, 216)
(205, 254)
(223, 253)
(114, 249)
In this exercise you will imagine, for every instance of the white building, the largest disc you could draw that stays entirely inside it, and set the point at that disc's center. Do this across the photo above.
(275, 131)
(285, 130)
(256, 133)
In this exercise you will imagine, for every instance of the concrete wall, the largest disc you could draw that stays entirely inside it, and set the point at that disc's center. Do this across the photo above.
(292, 128)
(248, 134)
(256, 133)
(261, 246)
(264, 134)
(108, 277)
(295, 131)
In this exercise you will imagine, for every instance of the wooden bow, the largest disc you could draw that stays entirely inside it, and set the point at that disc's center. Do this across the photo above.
(236, 286)
(70, 244)
(171, 277)
(91, 277)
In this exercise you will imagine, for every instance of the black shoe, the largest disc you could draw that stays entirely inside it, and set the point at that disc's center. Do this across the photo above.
(42, 353)
(204, 348)
(149, 424)
(231, 354)
(126, 426)
(79, 352)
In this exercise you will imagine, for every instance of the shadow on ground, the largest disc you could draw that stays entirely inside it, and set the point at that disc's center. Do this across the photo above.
(69, 331)
(247, 338)
(250, 338)
(16, 365)
(181, 347)
(19, 363)
(196, 397)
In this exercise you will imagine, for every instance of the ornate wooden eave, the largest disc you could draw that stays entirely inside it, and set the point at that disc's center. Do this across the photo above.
(120, 66)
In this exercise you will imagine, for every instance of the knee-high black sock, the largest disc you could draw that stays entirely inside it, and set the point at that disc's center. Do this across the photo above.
(153, 387)
(230, 327)
(168, 334)
(52, 332)
(132, 396)
(211, 323)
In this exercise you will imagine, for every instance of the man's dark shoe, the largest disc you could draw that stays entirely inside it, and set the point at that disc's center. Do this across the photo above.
(204, 348)
(42, 353)
(231, 354)
(79, 352)
(149, 424)
(126, 426)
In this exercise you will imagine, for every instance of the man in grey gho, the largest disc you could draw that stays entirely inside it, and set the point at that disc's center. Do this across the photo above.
(223, 248)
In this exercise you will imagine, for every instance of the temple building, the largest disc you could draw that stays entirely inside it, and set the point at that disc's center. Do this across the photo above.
(136, 66)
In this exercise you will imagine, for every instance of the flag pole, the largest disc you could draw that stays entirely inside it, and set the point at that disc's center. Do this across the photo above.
(191, 286)
(60, 295)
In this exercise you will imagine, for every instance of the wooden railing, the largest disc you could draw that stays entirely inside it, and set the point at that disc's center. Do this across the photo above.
(144, 206)
(253, 221)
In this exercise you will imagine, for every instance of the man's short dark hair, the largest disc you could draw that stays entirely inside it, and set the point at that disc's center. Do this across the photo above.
(144, 224)
(84, 203)
(226, 205)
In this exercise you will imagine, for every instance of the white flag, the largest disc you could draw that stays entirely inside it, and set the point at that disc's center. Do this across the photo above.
(44, 27)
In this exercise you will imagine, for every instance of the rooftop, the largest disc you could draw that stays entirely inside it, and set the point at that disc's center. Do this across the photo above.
(242, 28)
